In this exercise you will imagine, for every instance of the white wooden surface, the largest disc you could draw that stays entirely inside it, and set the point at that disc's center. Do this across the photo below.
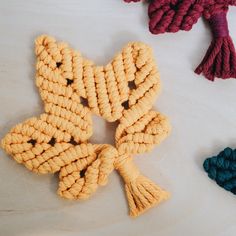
(202, 114)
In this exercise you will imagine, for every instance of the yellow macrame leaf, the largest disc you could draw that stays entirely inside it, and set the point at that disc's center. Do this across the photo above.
(72, 88)
(142, 135)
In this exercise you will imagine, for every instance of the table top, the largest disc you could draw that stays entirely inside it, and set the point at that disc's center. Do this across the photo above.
(202, 114)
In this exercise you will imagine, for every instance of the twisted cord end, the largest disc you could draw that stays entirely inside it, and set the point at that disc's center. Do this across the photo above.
(220, 59)
(143, 194)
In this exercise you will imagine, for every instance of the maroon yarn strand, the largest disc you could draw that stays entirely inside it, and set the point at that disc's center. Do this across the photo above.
(192, 17)
(232, 59)
(219, 63)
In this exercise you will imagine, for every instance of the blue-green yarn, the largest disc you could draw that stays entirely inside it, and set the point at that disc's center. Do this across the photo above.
(222, 169)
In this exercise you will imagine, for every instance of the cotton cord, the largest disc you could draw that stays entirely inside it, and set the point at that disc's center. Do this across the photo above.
(72, 89)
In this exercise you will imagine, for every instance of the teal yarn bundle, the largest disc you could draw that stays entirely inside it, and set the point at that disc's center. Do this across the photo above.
(222, 169)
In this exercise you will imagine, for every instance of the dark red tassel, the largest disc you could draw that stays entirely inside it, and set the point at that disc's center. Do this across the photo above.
(220, 59)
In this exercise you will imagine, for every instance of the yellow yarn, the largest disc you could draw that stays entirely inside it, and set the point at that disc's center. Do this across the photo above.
(73, 88)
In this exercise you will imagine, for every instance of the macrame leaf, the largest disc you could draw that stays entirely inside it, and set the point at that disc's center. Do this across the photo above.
(141, 136)
(72, 88)
(143, 88)
(44, 144)
(80, 178)
(58, 71)
(222, 169)
(131, 79)
(60, 75)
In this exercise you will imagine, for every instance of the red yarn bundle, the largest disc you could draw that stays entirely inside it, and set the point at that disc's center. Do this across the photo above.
(175, 15)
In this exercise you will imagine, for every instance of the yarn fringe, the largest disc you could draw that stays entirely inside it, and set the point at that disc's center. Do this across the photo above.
(220, 60)
(143, 194)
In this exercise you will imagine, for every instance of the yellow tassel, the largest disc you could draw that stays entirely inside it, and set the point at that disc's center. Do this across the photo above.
(141, 192)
